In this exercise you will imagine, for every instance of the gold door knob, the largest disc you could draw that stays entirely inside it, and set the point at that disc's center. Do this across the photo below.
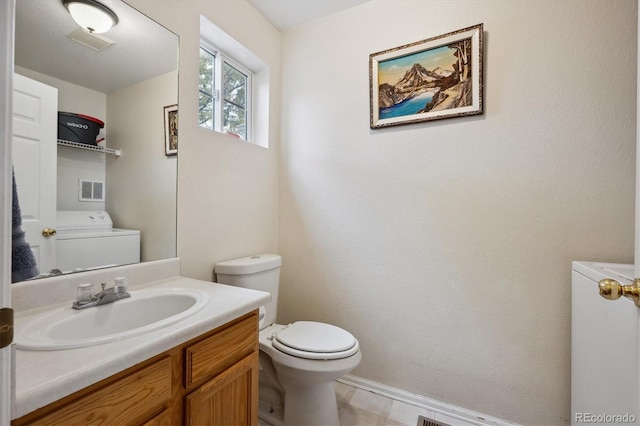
(612, 290)
(48, 232)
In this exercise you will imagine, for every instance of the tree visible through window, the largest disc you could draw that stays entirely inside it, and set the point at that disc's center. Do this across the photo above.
(235, 101)
(230, 112)
(206, 104)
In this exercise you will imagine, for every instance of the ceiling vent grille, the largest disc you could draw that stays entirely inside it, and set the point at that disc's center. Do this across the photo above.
(93, 41)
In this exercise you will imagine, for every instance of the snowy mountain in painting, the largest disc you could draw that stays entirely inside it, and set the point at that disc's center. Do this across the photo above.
(416, 81)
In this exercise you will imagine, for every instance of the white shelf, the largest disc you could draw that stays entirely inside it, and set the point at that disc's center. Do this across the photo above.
(96, 148)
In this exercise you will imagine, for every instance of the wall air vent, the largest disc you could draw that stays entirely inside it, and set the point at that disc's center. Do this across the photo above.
(93, 41)
(90, 190)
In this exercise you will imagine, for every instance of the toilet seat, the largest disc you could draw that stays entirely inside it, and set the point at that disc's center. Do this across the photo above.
(315, 340)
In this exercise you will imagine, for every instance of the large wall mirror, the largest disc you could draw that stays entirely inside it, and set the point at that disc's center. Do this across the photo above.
(116, 200)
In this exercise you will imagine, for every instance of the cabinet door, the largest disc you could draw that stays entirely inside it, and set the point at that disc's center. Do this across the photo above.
(231, 398)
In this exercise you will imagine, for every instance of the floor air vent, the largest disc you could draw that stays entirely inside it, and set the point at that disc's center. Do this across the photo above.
(423, 421)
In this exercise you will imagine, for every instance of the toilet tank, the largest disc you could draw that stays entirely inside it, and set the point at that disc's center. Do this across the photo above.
(259, 272)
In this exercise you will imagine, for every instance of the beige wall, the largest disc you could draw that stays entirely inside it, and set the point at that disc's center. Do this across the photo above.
(446, 247)
(227, 189)
(142, 183)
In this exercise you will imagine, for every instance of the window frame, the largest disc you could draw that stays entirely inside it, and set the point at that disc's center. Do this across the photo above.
(219, 59)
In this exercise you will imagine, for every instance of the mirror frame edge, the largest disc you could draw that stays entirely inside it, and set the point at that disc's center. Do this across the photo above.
(7, 394)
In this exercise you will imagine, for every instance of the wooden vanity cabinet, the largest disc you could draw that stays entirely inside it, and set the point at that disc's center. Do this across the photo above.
(209, 380)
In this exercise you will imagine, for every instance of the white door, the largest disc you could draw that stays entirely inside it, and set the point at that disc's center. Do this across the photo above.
(612, 379)
(34, 152)
(604, 350)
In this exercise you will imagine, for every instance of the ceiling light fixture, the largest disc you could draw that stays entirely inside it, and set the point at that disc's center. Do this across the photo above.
(91, 15)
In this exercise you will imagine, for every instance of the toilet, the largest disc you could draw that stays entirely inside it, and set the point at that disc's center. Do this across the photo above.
(299, 362)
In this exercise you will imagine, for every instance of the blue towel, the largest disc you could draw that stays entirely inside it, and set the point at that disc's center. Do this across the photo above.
(23, 262)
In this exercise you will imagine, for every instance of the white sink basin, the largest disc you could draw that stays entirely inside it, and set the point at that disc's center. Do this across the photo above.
(146, 310)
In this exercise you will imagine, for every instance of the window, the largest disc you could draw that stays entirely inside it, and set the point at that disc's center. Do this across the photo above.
(234, 94)
(225, 94)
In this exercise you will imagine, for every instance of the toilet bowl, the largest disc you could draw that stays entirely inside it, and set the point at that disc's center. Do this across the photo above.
(307, 373)
(299, 362)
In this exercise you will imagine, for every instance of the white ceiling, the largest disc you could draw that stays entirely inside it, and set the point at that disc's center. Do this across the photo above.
(143, 49)
(284, 14)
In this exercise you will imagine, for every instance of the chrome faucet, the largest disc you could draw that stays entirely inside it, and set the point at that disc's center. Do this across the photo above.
(85, 298)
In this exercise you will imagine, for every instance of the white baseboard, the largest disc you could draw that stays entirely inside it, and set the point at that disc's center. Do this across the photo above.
(424, 402)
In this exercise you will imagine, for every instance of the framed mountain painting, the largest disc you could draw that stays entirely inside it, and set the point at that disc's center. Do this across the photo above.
(432, 79)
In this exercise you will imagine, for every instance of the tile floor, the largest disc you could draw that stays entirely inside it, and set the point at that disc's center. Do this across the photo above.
(358, 407)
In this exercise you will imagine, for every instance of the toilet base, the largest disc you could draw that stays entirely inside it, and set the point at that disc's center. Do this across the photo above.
(270, 398)
(311, 406)
(317, 407)
(274, 415)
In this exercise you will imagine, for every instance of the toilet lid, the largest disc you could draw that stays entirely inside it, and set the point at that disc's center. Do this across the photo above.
(315, 340)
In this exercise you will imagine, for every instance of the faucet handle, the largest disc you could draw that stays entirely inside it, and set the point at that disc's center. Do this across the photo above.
(120, 284)
(84, 293)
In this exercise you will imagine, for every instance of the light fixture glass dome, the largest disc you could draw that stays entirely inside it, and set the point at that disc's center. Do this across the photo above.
(91, 15)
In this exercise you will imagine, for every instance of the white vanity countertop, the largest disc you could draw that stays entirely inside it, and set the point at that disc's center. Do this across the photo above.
(43, 377)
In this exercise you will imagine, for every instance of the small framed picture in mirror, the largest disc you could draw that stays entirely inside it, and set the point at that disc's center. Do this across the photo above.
(171, 130)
